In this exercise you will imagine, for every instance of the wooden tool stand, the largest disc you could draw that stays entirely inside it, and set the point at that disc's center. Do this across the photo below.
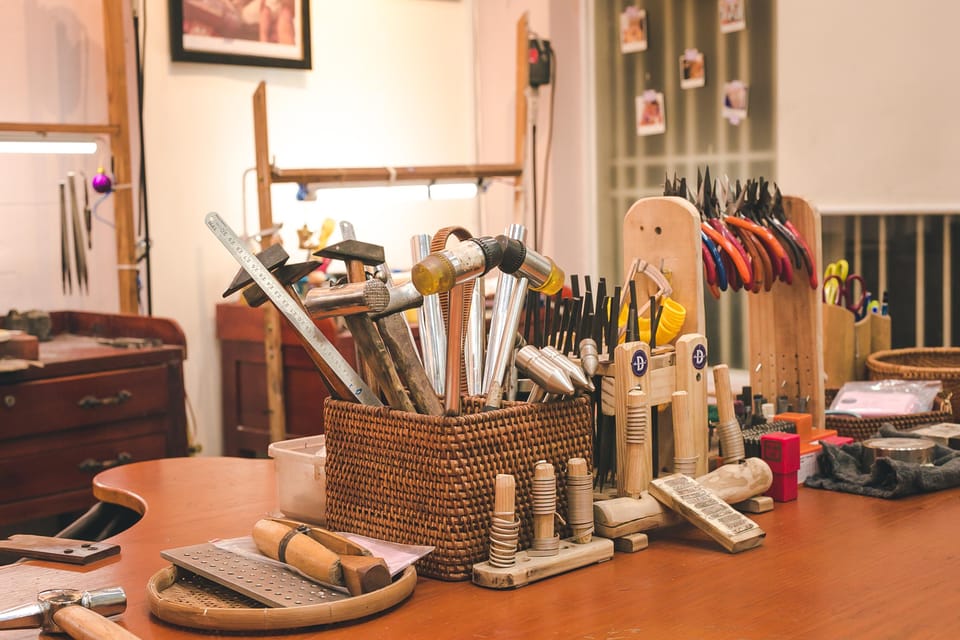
(785, 327)
(665, 232)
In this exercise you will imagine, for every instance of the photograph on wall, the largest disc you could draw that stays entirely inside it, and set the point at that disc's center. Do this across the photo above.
(633, 30)
(732, 16)
(651, 116)
(693, 73)
(735, 95)
(265, 33)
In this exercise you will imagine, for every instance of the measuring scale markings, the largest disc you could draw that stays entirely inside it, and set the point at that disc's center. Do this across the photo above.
(291, 310)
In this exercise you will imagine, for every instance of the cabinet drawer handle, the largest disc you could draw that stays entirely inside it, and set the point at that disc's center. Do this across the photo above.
(89, 402)
(99, 465)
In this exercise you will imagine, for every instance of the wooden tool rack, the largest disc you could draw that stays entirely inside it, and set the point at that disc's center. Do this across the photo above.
(784, 326)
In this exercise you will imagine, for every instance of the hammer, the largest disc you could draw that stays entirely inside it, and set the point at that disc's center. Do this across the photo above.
(275, 259)
(373, 351)
(79, 614)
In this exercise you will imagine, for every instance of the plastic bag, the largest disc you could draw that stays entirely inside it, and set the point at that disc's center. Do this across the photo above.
(885, 397)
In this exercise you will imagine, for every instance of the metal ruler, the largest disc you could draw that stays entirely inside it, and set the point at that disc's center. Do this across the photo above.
(336, 366)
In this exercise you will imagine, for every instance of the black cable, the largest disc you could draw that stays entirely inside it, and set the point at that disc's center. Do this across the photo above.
(549, 149)
(533, 184)
(144, 216)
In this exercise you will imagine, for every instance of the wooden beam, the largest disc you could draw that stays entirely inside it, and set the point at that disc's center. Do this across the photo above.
(396, 174)
(520, 112)
(53, 127)
(118, 116)
(276, 408)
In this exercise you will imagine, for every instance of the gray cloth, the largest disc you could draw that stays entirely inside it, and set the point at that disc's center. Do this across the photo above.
(842, 469)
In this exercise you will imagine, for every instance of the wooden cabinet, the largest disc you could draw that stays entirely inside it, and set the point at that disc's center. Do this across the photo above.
(91, 406)
(244, 383)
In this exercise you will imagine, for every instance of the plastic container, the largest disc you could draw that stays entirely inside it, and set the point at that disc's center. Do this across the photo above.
(301, 478)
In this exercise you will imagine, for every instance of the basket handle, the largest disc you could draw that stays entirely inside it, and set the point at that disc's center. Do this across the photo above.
(461, 295)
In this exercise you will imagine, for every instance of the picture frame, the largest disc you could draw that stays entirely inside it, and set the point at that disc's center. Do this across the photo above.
(261, 33)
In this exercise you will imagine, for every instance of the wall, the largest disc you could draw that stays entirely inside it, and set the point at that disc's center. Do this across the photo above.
(53, 72)
(867, 103)
(392, 84)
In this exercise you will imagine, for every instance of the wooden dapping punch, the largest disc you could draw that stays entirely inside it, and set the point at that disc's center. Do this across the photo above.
(299, 547)
(544, 493)
(684, 440)
(728, 429)
(631, 358)
(504, 526)
(637, 413)
(579, 501)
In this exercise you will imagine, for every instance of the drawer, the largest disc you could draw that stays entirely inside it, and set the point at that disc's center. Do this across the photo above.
(42, 406)
(52, 471)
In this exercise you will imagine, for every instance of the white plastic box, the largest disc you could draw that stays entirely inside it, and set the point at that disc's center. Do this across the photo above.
(301, 479)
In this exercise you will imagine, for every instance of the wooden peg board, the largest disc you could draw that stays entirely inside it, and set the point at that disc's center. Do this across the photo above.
(785, 326)
(665, 231)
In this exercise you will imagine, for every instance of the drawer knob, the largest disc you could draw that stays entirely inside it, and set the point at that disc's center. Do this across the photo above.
(9, 401)
(90, 402)
(99, 465)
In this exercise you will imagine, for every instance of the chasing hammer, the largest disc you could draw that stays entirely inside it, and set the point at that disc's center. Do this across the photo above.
(79, 614)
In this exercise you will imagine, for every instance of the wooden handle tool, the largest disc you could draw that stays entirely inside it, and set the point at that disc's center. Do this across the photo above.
(298, 547)
(81, 623)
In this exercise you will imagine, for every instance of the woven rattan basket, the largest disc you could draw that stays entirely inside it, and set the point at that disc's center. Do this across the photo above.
(863, 428)
(930, 363)
(428, 480)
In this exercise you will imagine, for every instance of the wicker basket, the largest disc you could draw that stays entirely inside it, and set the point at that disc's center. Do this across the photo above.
(931, 363)
(428, 480)
(863, 428)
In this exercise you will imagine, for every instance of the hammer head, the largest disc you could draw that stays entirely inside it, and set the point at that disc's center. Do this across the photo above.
(272, 257)
(106, 602)
(286, 274)
(368, 254)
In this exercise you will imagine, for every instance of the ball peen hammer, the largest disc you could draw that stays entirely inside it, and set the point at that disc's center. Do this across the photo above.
(79, 614)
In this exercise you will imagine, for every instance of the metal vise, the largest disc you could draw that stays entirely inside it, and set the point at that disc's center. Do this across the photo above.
(55, 611)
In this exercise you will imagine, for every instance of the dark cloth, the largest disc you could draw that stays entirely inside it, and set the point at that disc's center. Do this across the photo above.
(842, 469)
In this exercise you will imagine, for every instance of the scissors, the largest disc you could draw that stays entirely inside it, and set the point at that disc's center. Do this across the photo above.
(840, 286)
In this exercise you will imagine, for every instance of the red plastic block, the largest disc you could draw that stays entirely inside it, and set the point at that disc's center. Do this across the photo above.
(784, 487)
(781, 451)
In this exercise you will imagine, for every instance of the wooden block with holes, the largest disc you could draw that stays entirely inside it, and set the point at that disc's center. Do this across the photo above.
(532, 568)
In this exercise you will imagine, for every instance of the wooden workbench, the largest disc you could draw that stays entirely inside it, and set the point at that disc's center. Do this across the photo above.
(832, 566)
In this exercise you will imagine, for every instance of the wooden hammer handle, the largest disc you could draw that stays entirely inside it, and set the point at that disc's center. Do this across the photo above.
(81, 623)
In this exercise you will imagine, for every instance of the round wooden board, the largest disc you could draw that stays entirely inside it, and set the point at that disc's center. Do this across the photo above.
(213, 607)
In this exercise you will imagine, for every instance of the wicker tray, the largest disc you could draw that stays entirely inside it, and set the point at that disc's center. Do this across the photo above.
(863, 428)
(186, 599)
(428, 480)
(930, 363)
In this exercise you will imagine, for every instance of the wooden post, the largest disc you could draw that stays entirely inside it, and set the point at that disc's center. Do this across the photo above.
(273, 356)
(520, 116)
(115, 57)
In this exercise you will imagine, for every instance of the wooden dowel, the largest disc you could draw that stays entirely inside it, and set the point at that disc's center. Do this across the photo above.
(302, 551)
(543, 523)
(505, 494)
(724, 393)
(684, 441)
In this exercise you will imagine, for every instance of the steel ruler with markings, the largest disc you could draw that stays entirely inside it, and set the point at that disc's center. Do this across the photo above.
(342, 378)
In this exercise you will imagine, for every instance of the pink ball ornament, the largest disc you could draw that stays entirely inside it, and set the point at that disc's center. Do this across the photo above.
(101, 182)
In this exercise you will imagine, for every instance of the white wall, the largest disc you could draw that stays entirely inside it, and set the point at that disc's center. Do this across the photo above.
(53, 72)
(391, 85)
(867, 103)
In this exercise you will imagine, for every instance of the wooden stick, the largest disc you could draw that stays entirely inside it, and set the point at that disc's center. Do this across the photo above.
(684, 440)
(81, 623)
(543, 523)
(505, 494)
(724, 393)
(637, 413)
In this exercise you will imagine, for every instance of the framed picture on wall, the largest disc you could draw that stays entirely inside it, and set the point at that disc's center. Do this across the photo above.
(263, 33)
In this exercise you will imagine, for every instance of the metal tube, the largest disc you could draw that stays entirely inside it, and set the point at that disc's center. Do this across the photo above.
(473, 351)
(347, 299)
(501, 301)
(505, 344)
(433, 337)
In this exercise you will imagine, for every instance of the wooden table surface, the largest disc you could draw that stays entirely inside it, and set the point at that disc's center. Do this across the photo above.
(832, 566)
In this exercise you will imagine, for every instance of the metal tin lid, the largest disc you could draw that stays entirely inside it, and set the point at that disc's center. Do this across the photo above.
(903, 449)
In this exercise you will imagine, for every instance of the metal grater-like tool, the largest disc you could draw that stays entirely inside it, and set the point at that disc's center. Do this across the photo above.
(265, 583)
